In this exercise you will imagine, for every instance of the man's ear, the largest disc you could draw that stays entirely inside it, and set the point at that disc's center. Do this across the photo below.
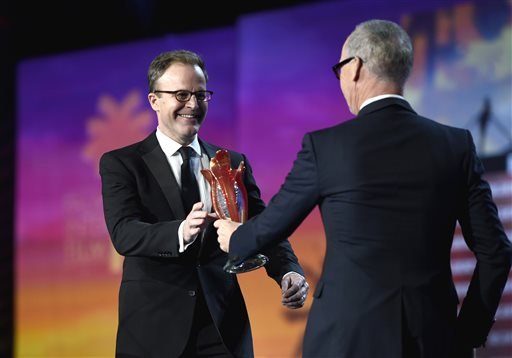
(355, 71)
(153, 98)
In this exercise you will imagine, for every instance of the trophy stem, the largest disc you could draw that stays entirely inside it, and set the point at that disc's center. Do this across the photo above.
(250, 264)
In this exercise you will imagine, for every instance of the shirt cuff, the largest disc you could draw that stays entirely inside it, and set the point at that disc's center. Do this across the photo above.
(182, 245)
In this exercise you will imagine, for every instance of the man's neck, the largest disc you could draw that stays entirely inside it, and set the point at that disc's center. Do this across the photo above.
(373, 88)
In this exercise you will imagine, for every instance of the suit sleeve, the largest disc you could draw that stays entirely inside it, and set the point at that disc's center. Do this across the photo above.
(132, 230)
(486, 238)
(286, 210)
(282, 259)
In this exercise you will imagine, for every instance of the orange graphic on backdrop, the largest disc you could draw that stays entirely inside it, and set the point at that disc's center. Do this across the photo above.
(120, 124)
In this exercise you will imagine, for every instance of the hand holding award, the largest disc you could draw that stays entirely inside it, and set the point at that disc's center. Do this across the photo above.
(229, 200)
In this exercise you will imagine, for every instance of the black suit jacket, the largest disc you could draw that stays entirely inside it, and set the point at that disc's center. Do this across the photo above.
(390, 186)
(143, 210)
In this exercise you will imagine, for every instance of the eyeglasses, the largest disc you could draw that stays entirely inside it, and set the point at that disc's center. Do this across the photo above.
(184, 95)
(337, 67)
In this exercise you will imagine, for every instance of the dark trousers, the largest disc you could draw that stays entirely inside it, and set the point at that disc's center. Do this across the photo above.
(204, 340)
(410, 344)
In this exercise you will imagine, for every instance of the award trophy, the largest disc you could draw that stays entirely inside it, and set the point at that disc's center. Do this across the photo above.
(229, 200)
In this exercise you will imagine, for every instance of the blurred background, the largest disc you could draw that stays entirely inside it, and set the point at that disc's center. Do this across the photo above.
(73, 85)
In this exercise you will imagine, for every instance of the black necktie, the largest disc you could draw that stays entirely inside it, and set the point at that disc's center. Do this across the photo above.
(189, 188)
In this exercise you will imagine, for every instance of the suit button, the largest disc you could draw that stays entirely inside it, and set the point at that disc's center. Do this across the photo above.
(191, 293)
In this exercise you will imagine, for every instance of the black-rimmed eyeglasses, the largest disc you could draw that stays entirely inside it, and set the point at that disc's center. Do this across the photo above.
(184, 95)
(337, 67)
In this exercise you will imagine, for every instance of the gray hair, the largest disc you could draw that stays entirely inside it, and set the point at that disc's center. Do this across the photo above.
(385, 48)
(162, 62)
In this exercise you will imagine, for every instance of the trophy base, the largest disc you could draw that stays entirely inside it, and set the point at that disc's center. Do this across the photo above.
(250, 264)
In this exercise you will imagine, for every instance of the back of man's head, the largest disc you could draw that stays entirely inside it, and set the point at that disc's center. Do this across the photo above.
(385, 48)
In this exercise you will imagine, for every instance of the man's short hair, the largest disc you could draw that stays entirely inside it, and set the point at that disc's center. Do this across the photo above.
(385, 48)
(162, 62)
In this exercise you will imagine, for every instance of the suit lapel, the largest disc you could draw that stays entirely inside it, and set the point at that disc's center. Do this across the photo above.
(157, 163)
(209, 148)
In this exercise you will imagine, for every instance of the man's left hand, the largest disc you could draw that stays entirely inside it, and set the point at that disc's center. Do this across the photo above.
(294, 289)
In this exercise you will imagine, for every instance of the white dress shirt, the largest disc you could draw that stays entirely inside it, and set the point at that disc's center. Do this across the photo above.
(382, 96)
(197, 161)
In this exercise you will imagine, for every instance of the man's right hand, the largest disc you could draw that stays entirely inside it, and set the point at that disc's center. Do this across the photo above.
(225, 228)
(196, 221)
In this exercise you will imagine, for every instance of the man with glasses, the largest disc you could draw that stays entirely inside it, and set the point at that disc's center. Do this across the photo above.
(391, 186)
(175, 298)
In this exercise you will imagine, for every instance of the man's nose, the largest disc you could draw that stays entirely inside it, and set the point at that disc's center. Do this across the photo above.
(192, 101)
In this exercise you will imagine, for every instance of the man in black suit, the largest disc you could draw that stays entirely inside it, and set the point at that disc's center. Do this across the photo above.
(390, 185)
(175, 299)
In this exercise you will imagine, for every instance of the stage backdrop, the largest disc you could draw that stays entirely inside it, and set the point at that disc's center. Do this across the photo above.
(272, 78)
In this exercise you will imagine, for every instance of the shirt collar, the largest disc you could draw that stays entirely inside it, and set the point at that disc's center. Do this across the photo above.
(170, 146)
(382, 96)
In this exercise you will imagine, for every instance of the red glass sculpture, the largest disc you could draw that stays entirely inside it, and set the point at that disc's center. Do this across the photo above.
(228, 193)
(229, 200)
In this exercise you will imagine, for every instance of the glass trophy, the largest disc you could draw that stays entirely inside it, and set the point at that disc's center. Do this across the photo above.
(229, 200)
